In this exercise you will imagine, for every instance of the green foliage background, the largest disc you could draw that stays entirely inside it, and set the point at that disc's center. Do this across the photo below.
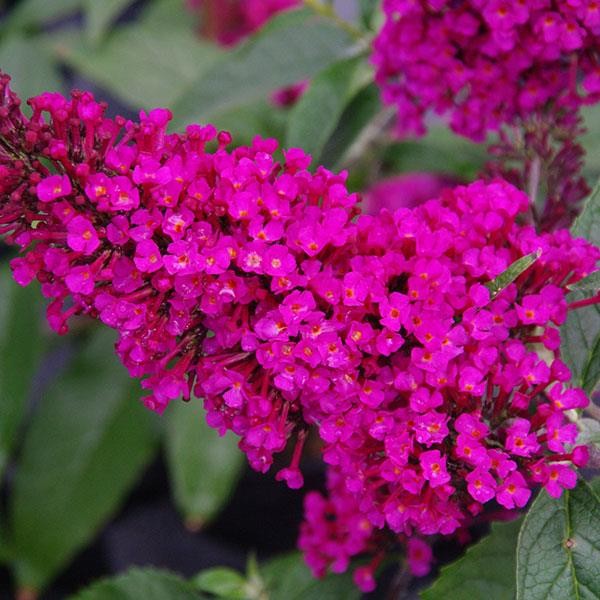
(85, 446)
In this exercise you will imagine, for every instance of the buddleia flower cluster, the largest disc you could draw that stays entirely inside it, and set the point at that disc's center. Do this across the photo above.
(465, 404)
(520, 69)
(486, 63)
(241, 277)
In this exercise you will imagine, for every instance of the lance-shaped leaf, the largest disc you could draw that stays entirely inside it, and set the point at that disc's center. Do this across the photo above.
(587, 224)
(31, 65)
(293, 46)
(89, 440)
(99, 16)
(514, 270)
(288, 578)
(204, 468)
(580, 334)
(580, 346)
(21, 343)
(223, 582)
(588, 285)
(487, 570)
(316, 114)
(141, 64)
(357, 116)
(36, 13)
(138, 584)
(558, 552)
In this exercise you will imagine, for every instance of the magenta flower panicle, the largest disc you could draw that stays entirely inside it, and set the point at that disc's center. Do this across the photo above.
(486, 63)
(249, 282)
(463, 413)
(192, 256)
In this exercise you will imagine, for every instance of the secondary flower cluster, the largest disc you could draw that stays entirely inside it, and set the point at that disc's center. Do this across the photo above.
(486, 62)
(250, 283)
(452, 397)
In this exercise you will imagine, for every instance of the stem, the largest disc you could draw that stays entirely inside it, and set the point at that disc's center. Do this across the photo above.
(327, 11)
(370, 136)
(585, 302)
(533, 182)
(399, 586)
(593, 410)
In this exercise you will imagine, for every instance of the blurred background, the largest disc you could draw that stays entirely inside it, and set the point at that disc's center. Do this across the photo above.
(91, 482)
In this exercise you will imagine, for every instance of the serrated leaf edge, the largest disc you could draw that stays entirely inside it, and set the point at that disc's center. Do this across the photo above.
(565, 499)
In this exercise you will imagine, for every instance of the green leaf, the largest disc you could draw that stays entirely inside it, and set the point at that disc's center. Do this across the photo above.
(99, 16)
(440, 151)
(580, 346)
(485, 571)
(246, 122)
(293, 46)
(580, 334)
(361, 110)
(88, 443)
(512, 273)
(367, 12)
(590, 141)
(21, 344)
(589, 432)
(587, 224)
(558, 552)
(169, 14)
(142, 65)
(222, 582)
(315, 116)
(36, 13)
(141, 584)
(288, 578)
(204, 468)
(589, 284)
(31, 65)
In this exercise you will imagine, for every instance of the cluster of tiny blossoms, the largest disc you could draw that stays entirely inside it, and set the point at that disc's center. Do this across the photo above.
(250, 283)
(451, 398)
(201, 261)
(486, 62)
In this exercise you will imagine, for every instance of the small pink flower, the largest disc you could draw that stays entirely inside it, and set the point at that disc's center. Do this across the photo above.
(364, 579)
(293, 478)
(354, 289)
(513, 491)
(481, 485)
(53, 187)
(560, 477)
(500, 462)
(518, 439)
(81, 235)
(80, 280)
(471, 451)
(147, 257)
(278, 261)
(431, 428)
(434, 468)
(394, 310)
(420, 556)
(470, 424)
